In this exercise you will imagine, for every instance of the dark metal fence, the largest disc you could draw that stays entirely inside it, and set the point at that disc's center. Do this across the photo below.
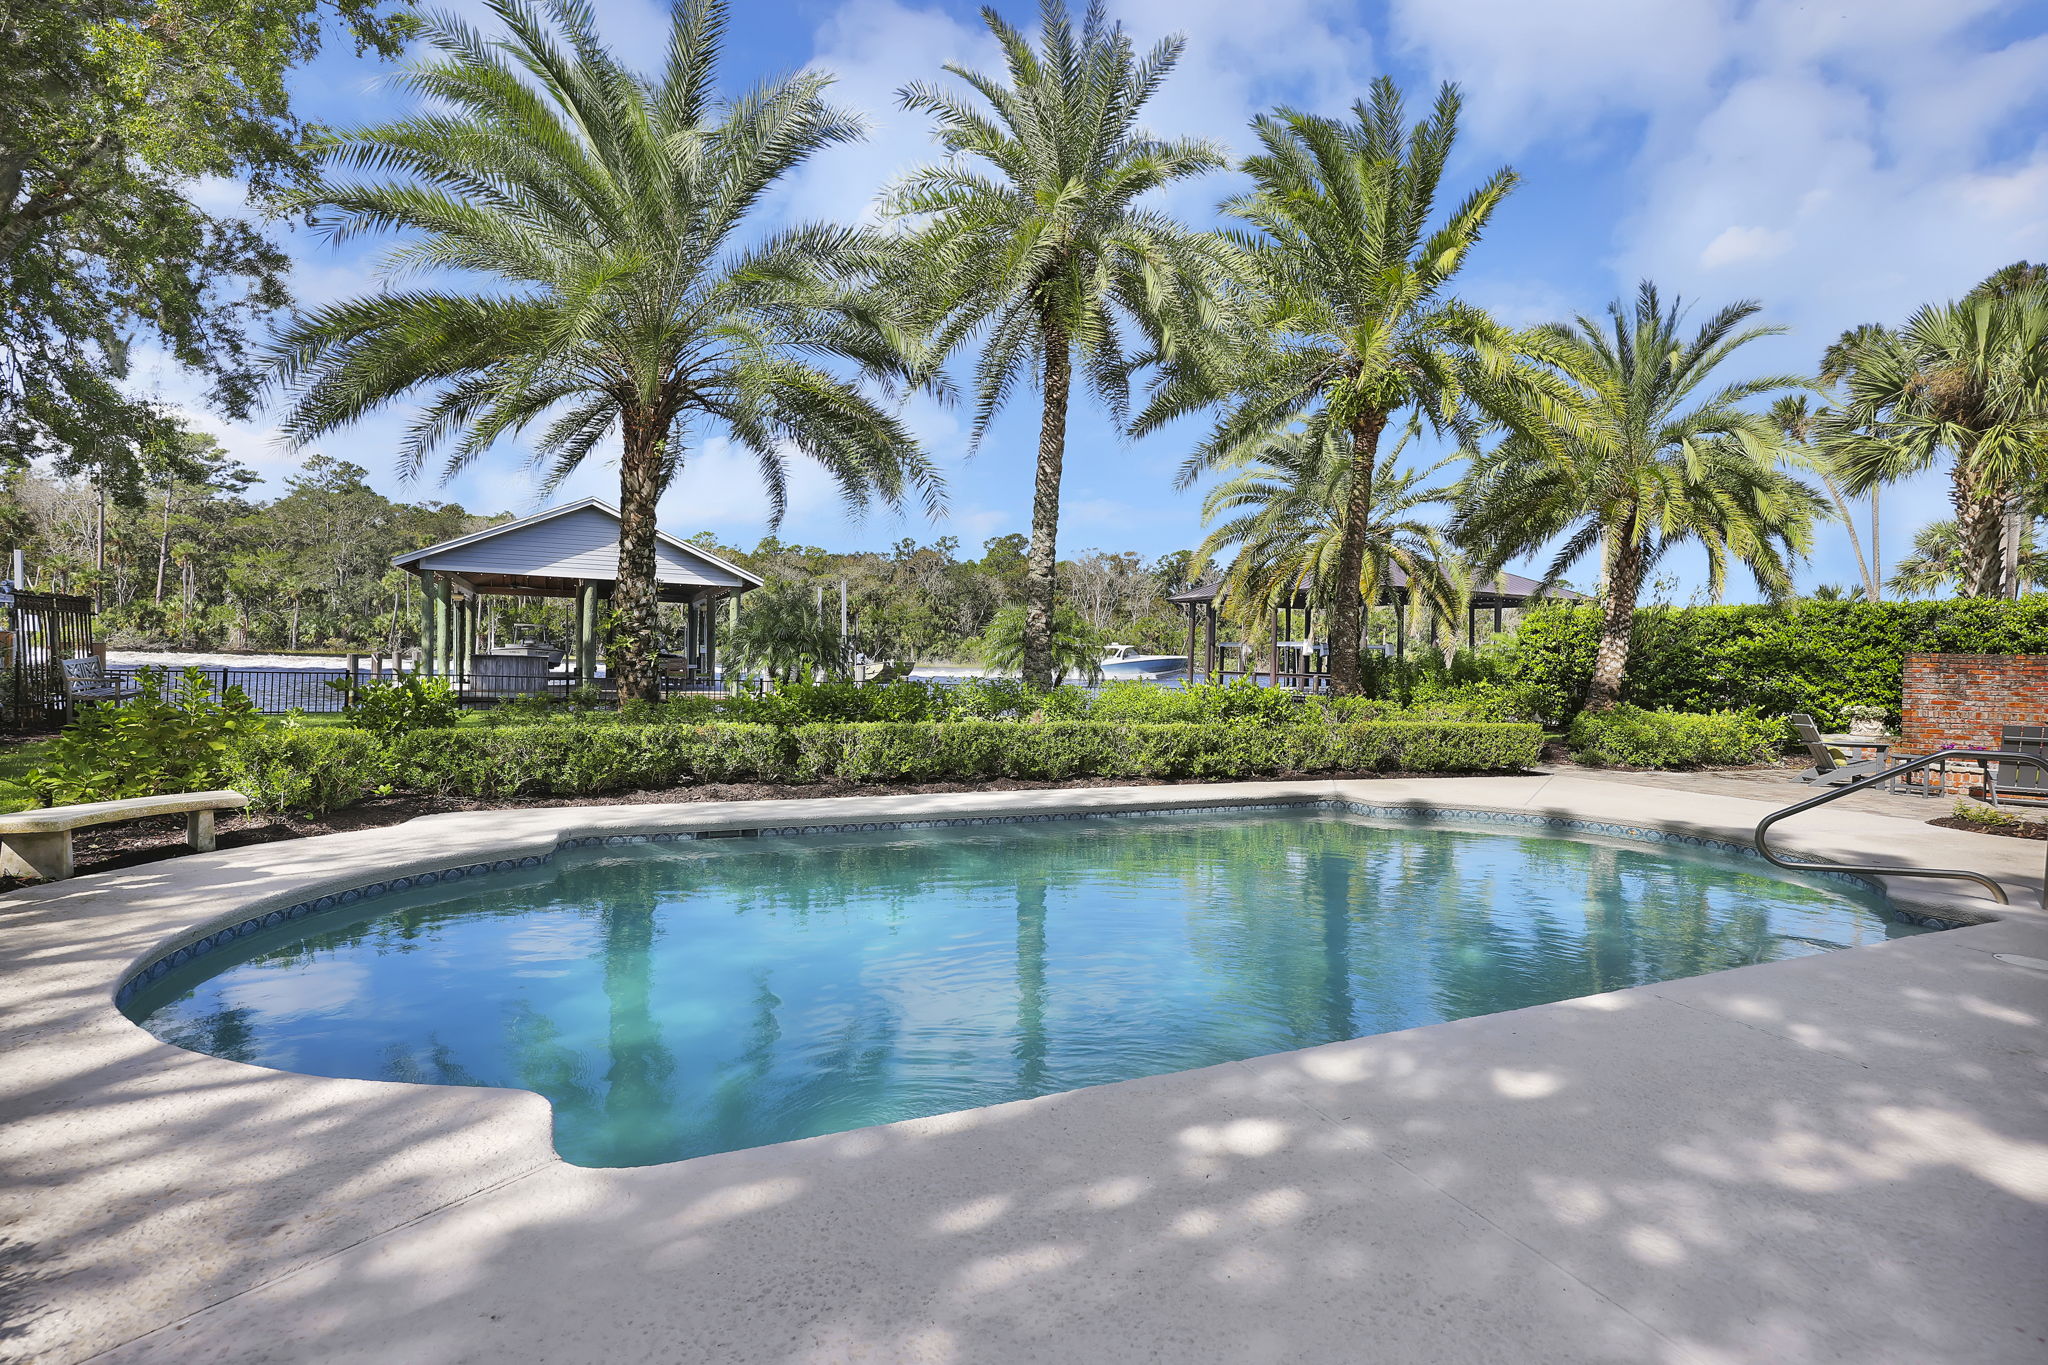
(43, 630)
(276, 691)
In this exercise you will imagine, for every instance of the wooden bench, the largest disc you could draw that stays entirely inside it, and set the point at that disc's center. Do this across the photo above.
(88, 680)
(37, 843)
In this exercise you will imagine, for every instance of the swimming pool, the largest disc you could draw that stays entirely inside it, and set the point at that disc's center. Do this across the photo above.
(672, 1000)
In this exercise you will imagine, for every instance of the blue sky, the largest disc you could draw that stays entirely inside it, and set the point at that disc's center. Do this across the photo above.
(1840, 162)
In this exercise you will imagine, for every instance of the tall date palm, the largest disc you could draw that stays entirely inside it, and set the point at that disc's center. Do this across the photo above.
(1031, 238)
(594, 224)
(1344, 271)
(1962, 382)
(1279, 518)
(1656, 460)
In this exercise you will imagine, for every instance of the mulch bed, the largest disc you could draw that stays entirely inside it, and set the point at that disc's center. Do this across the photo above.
(2031, 829)
(106, 848)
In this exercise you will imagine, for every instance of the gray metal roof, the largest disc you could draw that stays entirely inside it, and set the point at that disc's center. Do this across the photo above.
(578, 540)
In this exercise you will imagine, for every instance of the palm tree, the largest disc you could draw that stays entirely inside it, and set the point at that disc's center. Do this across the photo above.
(1282, 511)
(1654, 463)
(1936, 564)
(1346, 321)
(2010, 280)
(595, 218)
(1031, 238)
(1834, 367)
(1074, 648)
(784, 633)
(1798, 422)
(1966, 382)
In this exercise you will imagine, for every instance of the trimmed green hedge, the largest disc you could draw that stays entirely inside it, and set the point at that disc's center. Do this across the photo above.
(1815, 657)
(309, 770)
(306, 769)
(1635, 738)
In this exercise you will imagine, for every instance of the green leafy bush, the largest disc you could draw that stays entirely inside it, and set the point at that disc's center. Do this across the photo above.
(157, 742)
(299, 768)
(1636, 738)
(1813, 657)
(404, 704)
(1202, 703)
(1994, 818)
(570, 759)
(802, 703)
(565, 759)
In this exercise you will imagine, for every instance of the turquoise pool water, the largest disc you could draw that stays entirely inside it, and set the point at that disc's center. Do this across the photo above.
(678, 999)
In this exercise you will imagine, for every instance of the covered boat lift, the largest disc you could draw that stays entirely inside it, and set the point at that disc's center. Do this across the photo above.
(1498, 595)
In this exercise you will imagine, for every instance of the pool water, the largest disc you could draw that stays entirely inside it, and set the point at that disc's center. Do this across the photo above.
(677, 999)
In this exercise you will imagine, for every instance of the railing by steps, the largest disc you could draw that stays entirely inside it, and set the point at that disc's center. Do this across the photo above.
(1763, 827)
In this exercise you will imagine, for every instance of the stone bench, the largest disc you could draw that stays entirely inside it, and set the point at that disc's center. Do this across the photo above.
(37, 843)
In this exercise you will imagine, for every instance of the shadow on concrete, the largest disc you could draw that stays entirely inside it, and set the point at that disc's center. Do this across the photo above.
(1835, 1159)
(1839, 1158)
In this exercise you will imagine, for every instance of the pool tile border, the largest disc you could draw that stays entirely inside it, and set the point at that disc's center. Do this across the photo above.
(202, 945)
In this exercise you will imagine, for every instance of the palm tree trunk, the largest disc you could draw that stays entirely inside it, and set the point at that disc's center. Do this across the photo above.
(163, 541)
(1346, 611)
(1978, 523)
(632, 658)
(1617, 622)
(2010, 528)
(1042, 565)
(1863, 565)
(1876, 554)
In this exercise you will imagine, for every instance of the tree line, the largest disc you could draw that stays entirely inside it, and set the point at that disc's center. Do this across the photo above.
(611, 294)
(193, 561)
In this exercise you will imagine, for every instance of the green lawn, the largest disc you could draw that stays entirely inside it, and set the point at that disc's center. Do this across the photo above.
(15, 761)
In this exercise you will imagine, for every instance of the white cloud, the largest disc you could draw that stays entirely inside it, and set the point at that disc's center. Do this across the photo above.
(1739, 244)
(873, 48)
(1242, 59)
(1546, 71)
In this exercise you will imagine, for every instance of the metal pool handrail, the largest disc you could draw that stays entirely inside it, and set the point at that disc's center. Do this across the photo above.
(1998, 892)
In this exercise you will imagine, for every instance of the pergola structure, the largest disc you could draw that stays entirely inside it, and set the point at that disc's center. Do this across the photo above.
(1498, 595)
(572, 552)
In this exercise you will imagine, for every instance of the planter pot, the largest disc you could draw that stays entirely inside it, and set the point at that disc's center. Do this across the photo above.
(1870, 728)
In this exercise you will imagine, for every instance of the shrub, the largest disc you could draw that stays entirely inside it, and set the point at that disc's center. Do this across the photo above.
(1814, 657)
(802, 703)
(1013, 699)
(1989, 817)
(567, 759)
(1482, 701)
(531, 709)
(304, 769)
(1633, 737)
(318, 770)
(149, 745)
(994, 699)
(403, 705)
(1243, 699)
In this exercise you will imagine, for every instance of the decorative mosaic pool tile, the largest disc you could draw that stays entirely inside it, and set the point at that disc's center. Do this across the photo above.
(219, 938)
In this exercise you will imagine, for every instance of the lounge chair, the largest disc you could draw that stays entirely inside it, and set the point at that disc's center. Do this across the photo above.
(2022, 779)
(1828, 768)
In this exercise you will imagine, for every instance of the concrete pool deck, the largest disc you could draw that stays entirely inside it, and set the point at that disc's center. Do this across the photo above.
(1837, 1158)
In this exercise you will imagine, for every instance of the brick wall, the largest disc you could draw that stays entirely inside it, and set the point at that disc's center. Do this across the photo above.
(1962, 700)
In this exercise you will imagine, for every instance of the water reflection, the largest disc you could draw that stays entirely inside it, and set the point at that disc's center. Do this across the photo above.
(671, 1002)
